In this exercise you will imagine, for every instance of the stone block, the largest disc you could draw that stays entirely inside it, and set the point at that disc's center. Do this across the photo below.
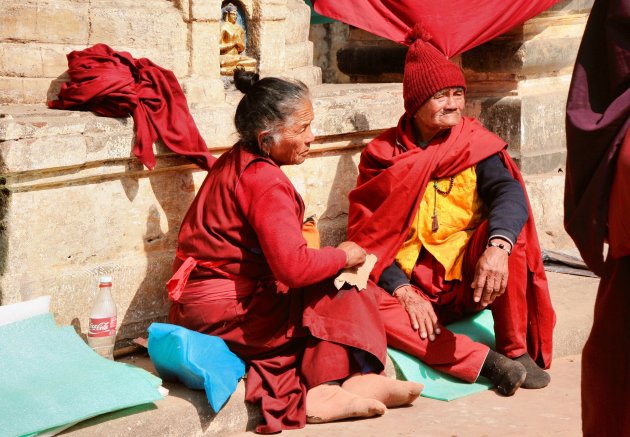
(25, 90)
(311, 76)
(38, 153)
(270, 43)
(299, 55)
(208, 10)
(298, 20)
(33, 60)
(202, 92)
(543, 119)
(274, 10)
(546, 195)
(543, 162)
(158, 33)
(64, 22)
(204, 50)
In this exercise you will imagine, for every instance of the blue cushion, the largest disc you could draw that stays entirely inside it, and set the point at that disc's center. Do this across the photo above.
(198, 360)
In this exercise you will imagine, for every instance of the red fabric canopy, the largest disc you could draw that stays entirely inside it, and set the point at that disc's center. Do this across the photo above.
(114, 84)
(456, 25)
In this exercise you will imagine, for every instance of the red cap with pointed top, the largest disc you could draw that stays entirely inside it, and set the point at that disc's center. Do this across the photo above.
(427, 70)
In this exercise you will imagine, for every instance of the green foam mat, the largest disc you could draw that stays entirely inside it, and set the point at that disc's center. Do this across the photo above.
(438, 385)
(50, 378)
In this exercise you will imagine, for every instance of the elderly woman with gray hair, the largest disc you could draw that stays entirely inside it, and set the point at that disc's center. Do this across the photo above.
(243, 272)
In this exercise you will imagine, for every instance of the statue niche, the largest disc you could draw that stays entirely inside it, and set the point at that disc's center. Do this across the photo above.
(232, 43)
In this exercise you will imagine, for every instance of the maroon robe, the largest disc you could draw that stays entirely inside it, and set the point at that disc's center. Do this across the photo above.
(596, 208)
(282, 314)
(114, 84)
(393, 175)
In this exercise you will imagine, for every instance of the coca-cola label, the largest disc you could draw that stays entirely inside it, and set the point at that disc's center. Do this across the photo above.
(102, 327)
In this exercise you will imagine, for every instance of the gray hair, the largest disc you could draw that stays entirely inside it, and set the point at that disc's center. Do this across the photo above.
(268, 105)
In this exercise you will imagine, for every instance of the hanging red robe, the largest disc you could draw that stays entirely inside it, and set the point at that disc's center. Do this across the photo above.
(393, 175)
(271, 298)
(597, 195)
(455, 25)
(114, 84)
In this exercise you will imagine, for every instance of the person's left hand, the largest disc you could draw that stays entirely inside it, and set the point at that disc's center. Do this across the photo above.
(491, 276)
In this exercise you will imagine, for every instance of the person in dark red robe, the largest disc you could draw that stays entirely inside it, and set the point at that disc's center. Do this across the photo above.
(597, 197)
(243, 272)
(443, 206)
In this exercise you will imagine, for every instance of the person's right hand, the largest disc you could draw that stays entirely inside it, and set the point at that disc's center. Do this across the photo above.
(420, 311)
(355, 255)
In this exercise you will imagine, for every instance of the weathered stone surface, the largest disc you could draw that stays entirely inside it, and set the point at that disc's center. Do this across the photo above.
(60, 21)
(26, 90)
(270, 42)
(298, 17)
(202, 92)
(204, 56)
(299, 55)
(327, 40)
(30, 60)
(206, 10)
(546, 196)
(158, 33)
(310, 75)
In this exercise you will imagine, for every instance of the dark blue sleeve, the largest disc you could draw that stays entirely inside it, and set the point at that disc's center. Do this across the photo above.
(392, 278)
(504, 198)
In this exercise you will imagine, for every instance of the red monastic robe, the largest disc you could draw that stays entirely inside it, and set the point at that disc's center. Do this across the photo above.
(597, 196)
(260, 288)
(114, 84)
(456, 25)
(393, 174)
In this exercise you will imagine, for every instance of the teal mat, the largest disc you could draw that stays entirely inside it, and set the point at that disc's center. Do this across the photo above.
(438, 385)
(49, 378)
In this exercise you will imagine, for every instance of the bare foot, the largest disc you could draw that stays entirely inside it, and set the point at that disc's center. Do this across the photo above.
(328, 402)
(391, 392)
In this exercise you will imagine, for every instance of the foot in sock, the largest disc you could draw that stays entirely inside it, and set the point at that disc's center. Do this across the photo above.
(330, 402)
(505, 374)
(536, 377)
(391, 392)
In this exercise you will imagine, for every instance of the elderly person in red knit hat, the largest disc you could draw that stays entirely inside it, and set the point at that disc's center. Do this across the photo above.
(443, 206)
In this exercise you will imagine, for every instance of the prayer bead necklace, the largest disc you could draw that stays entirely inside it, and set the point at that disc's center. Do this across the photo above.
(435, 225)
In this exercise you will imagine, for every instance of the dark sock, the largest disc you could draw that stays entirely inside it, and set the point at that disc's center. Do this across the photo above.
(536, 377)
(505, 374)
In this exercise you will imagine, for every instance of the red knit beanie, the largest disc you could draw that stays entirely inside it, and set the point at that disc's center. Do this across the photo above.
(427, 71)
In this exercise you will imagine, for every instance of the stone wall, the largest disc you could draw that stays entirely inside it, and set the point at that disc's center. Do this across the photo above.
(182, 36)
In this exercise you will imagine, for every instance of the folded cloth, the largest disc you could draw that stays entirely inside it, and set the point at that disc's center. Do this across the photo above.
(114, 84)
(356, 276)
(438, 385)
(198, 360)
(49, 379)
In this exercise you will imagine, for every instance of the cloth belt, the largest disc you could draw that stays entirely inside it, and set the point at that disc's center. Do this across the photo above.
(226, 286)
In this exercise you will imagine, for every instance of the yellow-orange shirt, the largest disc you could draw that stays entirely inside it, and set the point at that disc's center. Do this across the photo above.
(458, 214)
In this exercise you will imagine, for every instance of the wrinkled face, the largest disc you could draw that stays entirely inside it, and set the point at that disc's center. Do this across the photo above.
(295, 138)
(442, 111)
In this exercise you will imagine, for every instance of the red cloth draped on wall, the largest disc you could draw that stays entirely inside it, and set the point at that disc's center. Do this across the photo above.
(456, 25)
(596, 208)
(114, 84)
(389, 190)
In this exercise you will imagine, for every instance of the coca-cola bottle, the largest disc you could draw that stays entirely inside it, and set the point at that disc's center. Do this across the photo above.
(102, 326)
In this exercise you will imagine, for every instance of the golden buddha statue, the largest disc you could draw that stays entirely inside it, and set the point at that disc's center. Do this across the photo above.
(232, 43)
